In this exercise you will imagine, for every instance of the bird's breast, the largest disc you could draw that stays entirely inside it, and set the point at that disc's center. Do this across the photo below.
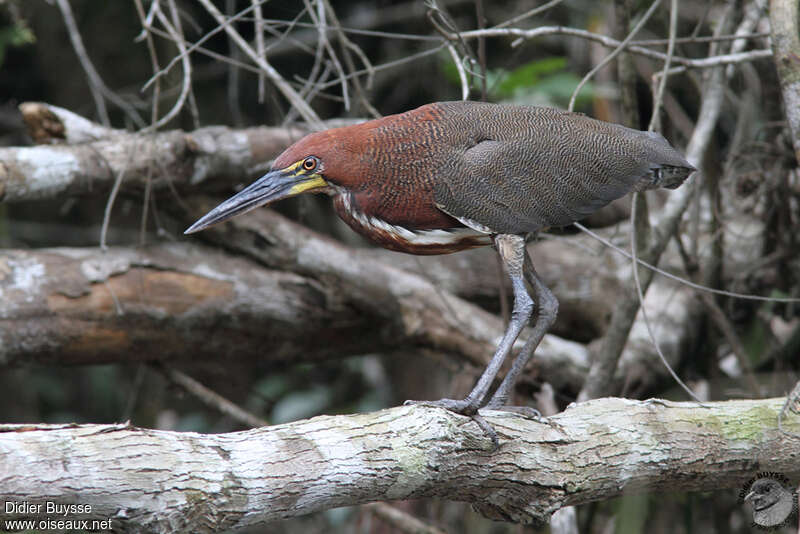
(407, 238)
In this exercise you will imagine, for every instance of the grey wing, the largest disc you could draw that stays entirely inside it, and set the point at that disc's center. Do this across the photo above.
(519, 187)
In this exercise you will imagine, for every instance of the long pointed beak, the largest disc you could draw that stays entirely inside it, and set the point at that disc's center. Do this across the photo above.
(275, 185)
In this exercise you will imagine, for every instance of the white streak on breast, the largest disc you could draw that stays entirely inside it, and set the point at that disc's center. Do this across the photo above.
(415, 237)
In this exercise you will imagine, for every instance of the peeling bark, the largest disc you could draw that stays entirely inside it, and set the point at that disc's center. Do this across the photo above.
(170, 302)
(158, 481)
(102, 154)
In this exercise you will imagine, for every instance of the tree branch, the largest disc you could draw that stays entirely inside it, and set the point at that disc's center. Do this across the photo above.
(85, 306)
(697, 63)
(786, 49)
(158, 481)
(39, 172)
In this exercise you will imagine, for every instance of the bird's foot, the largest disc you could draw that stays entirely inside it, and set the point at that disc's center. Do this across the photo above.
(466, 407)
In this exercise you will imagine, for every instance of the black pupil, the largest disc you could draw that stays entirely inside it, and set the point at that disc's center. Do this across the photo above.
(309, 164)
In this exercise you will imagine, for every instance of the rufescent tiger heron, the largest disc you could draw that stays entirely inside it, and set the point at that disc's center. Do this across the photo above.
(451, 176)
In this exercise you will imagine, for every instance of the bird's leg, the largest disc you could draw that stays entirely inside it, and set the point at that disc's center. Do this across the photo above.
(548, 309)
(512, 251)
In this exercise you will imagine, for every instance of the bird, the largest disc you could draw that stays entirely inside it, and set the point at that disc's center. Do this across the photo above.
(772, 503)
(451, 176)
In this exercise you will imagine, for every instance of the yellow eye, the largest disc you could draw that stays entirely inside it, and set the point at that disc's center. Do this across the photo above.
(310, 163)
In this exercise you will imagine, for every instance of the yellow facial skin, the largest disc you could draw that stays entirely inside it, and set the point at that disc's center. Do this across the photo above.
(307, 179)
(313, 182)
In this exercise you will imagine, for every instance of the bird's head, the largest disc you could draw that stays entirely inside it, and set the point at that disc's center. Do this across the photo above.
(301, 168)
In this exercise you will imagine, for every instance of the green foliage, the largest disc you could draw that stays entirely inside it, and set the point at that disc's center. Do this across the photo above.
(544, 81)
(14, 35)
(528, 75)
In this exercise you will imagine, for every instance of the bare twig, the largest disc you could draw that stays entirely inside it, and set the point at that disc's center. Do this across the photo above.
(462, 74)
(481, 47)
(388, 65)
(655, 120)
(288, 92)
(320, 19)
(109, 207)
(753, 12)
(679, 279)
(232, 89)
(530, 13)
(151, 49)
(626, 70)
(348, 46)
(402, 521)
(258, 28)
(77, 43)
(707, 39)
(729, 332)
(636, 244)
(209, 397)
(186, 84)
(99, 90)
(193, 46)
(694, 210)
(698, 63)
(613, 54)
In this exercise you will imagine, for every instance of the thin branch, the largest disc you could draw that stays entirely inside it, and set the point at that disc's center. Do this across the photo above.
(210, 398)
(110, 204)
(655, 119)
(530, 13)
(151, 49)
(258, 28)
(348, 46)
(462, 74)
(194, 46)
(233, 72)
(706, 39)
(319, 18)
(288, 92)
(680, 280)
(635, 244)
(402, 521)
(77, 43)
(699, 63)
(735, 343)
(388, 65)
(186, 83)
(481, 47)
(613, 54)
(99, 90)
